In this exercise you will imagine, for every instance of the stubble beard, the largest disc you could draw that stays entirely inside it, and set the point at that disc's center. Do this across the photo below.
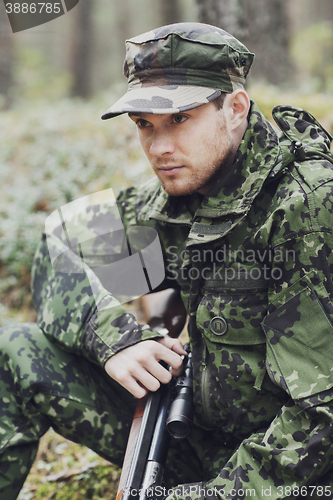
(201, 180)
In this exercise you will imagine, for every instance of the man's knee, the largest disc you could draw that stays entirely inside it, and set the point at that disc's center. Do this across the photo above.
(19, 346)
(15, 338)
(34, 364)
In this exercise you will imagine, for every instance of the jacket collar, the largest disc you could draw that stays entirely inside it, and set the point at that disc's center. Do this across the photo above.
(257, 154)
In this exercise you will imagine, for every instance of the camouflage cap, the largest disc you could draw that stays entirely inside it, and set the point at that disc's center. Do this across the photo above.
(179, 67)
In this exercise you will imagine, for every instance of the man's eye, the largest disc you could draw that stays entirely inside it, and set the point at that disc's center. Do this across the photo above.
(179, 118)
(142, 123)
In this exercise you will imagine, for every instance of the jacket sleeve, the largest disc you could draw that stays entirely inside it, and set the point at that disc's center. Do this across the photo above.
(74, 308)
(292, 455)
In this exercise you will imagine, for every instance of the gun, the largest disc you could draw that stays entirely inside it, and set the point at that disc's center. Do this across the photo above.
(161, 415)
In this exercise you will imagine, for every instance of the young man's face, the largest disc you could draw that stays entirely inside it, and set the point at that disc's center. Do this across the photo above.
(188, 151)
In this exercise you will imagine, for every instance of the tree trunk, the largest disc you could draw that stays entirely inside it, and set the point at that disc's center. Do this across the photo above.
(82, 41)
(262, 26)
(268, 38)
(226, 14)
(124, 29)
(6, 58)
(321, 10)
(170, 12)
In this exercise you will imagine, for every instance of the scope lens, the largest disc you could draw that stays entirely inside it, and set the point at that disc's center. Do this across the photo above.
(179, 427)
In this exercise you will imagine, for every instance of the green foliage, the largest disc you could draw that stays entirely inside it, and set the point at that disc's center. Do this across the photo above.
(53, 153)
(34, 77)
(312, 53)
(319, 105)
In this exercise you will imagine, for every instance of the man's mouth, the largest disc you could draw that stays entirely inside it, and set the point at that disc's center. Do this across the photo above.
(170, 169)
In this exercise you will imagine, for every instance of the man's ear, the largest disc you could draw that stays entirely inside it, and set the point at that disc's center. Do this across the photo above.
(237, 108)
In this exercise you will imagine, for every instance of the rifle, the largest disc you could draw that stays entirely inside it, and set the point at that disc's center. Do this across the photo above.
(161, 414)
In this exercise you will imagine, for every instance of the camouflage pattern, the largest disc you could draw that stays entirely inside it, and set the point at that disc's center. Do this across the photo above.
(253, 262)
(179, 67)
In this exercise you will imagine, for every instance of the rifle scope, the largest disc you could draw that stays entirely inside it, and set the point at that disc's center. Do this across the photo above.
(180, 416)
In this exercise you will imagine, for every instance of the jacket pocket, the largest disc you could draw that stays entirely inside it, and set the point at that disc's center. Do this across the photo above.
(242, 398)
(300, 340)
(230, 320)
(232, 317)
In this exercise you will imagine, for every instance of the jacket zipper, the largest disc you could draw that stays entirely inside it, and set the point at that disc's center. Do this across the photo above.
(205, 388)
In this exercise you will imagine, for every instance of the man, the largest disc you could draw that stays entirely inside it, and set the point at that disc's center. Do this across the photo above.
(244, 215)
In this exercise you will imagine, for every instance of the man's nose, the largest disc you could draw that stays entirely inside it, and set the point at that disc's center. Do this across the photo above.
(162, 143)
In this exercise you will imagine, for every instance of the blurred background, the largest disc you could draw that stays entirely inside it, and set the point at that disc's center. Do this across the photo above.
(56, 80)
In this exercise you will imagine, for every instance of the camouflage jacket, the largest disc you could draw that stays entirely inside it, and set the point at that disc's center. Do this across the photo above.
(253, 262)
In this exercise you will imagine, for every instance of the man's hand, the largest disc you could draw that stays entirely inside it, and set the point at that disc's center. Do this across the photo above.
(137, 367)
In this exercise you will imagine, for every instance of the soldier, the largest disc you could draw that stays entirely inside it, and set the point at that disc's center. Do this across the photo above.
(244, 215)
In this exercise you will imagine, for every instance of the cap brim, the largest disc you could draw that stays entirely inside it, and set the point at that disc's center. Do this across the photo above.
(161, 100)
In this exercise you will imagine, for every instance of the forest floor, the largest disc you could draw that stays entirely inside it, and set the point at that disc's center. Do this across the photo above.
(67, 471)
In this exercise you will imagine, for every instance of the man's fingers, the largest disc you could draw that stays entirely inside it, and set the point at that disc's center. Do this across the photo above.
(136, 380)
(148, 380)
(150, 372)
(173, 353)
(138, 367)
(173, 344)
(152, 352)
(135, 388)
(159, 372)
